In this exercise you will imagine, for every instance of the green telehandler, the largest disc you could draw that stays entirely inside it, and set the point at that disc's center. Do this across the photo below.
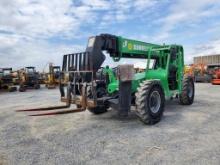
(96, 88)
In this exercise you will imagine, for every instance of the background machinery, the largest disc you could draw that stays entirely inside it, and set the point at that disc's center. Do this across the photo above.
(188, 70)
(201, 73)
(214, 71)
(96, 88)
(53, 77)
(42, 78)
(28, 79)
(6, 80)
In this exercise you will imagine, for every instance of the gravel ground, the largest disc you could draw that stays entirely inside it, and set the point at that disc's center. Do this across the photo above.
(186, 134)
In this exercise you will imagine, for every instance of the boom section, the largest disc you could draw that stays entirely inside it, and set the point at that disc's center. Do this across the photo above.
(128, 48)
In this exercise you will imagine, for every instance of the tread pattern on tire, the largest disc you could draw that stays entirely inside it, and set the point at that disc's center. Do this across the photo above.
(184, 98)
(141, 102)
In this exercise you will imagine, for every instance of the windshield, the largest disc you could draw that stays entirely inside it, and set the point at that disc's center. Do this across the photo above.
(6, 72)
(56, 69)
(138, 63)
(30, 70)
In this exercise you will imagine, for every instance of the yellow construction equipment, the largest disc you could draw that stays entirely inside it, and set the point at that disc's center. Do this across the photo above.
(6, 80)
(28, 78)
(200, 72)
(53, 77)
(188, 70)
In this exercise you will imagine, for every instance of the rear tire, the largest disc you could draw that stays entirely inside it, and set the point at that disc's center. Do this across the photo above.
(188, 91)
(150, 102)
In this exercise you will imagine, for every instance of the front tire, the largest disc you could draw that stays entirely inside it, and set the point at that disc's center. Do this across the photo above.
(99, 109)
(150, 102)
(188, 91)
(37, 86)
(12, 89)
(22, 88)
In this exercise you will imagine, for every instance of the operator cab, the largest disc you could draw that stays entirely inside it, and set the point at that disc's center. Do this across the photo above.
(30, 70)
(172, 70)
(6, 75)
(6, 71)
(56, 70)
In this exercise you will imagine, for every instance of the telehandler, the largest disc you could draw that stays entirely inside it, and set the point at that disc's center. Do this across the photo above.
(28, 78)
(6, 80)
(53, 77)
(98, 88)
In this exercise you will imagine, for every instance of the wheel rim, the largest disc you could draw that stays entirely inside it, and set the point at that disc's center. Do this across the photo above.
(190, 91)
(155, 101)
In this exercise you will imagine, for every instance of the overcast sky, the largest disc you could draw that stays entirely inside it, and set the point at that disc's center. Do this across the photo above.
(35, 32)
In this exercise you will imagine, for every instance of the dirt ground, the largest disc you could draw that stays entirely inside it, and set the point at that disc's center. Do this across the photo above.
(186, 134)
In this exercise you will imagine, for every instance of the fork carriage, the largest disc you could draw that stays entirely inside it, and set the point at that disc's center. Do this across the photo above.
(81, 80)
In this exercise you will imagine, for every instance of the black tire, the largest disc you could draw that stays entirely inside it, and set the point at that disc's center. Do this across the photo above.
(37, 86)
(95, 110)
(12, 89)
(99, 109)
(188, 91)
(22, 88)
(78, 106)
(150, 102)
